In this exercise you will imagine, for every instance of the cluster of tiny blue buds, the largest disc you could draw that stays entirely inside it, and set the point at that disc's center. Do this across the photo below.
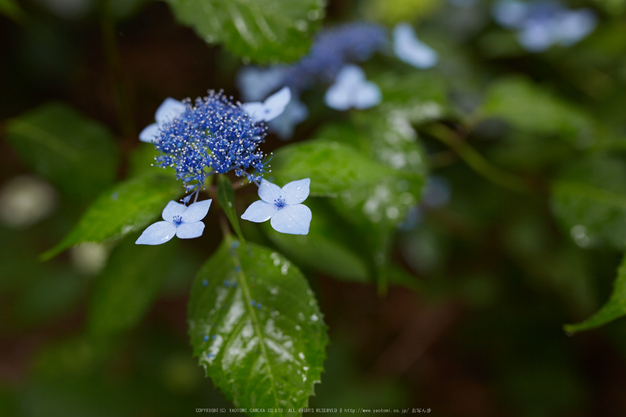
(332, 49)
(213, 135)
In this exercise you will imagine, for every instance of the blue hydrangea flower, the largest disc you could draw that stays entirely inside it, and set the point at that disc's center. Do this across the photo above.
(332, 50)
(178, 219)
(542, 24)
(284, 125)
(411, 50)
(352, 90)
(282, 206)
(271, 108)
(167, 111)
(212, 136)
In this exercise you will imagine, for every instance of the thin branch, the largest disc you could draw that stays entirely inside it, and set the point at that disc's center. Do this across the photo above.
(476, 161)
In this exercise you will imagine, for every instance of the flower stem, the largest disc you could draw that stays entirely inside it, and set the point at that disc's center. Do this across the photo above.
(224, 225)
(114, 68)
(476, 161)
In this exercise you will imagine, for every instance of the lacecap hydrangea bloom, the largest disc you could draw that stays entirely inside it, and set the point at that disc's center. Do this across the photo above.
(213, 135)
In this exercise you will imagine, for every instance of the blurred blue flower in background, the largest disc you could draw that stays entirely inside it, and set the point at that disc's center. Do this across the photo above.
(167, 112)
(411, 50)
(282, 206)
(178, 220)
(352, 90)
(332, 50)
(284, 125)
(542, 24)
(257, 83)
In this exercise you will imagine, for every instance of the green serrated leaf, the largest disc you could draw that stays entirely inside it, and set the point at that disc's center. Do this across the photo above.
(333, 167)
(385, 138)
(128, 286)
(75, 153)
(589, 198)
(125, 208)
(256, 328)
(613, 309)
(226, 197)
(267, 31)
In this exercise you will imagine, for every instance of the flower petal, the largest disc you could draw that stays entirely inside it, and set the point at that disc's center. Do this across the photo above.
(368, 95)
(574, 26)
(169, 110)
(150, 133)
(173, 209)
(284, 125)
(259, 211)
(157, 233)
(256, 83)
(276, 103)
(196, 211)
(269, 192)
(296, 192)
(190, 230)
(271, 108)
(294, 220)
(510, 13)
(409, 49)
(337, 97)
(351, 90)
(255, 110)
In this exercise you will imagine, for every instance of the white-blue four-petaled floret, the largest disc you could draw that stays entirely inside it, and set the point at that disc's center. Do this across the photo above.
(283, 206)
(179, 220)
(167, 111)
(271, 108)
